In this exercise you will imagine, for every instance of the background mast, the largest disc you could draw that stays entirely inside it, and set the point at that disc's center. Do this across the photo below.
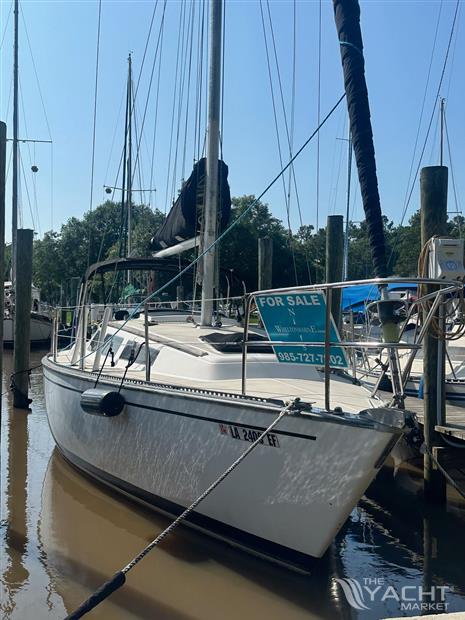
(14, 216)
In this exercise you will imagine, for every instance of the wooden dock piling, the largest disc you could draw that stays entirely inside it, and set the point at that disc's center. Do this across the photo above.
(335, 261)
(265, 263)
(433, 189)
(22, 318)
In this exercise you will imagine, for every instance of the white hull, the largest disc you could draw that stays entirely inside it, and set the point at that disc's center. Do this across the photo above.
(288, 499)
(41, 330)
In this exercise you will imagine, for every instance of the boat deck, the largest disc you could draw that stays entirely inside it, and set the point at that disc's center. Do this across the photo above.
(266, 378)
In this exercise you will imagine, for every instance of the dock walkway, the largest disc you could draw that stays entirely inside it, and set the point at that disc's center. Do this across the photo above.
(455, 416)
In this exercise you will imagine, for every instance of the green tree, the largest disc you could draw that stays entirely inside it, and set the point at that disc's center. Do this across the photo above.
(47, 268)
(408, 246)
(61, 256)
(239, 250)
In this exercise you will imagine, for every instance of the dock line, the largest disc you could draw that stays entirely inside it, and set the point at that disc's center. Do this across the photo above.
(119, 578)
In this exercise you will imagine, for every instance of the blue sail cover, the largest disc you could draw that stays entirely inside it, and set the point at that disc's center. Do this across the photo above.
(356, 298)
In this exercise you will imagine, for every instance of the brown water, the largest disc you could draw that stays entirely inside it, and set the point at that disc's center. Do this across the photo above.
(63, 535)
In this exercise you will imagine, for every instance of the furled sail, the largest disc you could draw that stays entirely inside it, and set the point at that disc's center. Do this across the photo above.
(347, 15)
(184, 221)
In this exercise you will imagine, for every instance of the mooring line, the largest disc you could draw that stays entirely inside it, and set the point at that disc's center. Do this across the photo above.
(19, 372)
(119, 578)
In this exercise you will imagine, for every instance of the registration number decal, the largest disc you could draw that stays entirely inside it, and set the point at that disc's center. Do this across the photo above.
(248, 434)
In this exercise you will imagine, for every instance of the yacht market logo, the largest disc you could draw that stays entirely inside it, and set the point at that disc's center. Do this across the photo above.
(362, 595)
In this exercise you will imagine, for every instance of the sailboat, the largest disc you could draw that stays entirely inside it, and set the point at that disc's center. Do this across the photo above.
(41, 322)
(157, 406)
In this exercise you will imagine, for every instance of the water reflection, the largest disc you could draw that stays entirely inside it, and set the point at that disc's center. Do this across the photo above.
(63, 535)
(15, 571)
(86, 533)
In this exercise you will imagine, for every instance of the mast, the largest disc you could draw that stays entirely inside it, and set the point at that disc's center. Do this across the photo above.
(346, 233)
(441, 113)
(129, 163)
(14, 217)
(122, 250)
(211, 190)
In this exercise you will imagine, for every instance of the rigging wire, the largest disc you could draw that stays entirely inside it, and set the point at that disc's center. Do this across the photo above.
(122, 157)
(200, 65)
(155, 124)
(31, 161)
(435, 135)
(454, 49)
(292, 113)
(354, 197)
(6, 25)
(457, 205)
(36, 75)
(173, 112)
(138, 142)
(289, 131)
(201, 49)
(275, 115)
(227, 230)
(433, 111)
(9, 98)
(127, 121)
(318, 118)
(119, 578)
(341, 155)
(185, 41)
(183, 167)
(28, 146)
(26, 132)
(341, 120)
(147, 41)
(34, 193)
(94, 124)
(27, 191)
(114, 134)
(420, 121)
(51, 187)
(10, 159)
(137, 166)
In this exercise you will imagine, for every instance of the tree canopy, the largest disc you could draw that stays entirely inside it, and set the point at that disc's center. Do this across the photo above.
(298, 258)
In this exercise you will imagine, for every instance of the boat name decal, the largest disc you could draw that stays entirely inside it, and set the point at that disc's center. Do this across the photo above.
(248, 434)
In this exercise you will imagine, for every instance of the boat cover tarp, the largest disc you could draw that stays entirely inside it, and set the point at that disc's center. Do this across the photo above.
(355, 298)
(347, 15)
(184, 219)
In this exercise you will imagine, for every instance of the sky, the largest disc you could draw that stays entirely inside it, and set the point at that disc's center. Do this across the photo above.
(58, 43)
